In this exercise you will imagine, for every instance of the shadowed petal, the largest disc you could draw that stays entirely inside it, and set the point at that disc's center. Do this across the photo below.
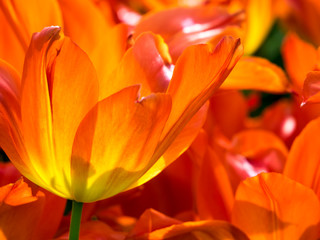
(272, 206)
(115, 142)
(304, 155)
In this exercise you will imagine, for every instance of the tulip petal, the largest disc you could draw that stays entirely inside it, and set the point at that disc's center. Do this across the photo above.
(256, 73)
(52, 114)
(71, 69)
(36, 107)
(300, 58)
(115, 142)
(304, 155)
(272, 206)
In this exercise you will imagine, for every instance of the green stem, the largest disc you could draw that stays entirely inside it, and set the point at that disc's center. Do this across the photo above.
(75, 220)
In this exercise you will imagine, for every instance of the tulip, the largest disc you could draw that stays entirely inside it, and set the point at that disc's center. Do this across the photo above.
(83, 144)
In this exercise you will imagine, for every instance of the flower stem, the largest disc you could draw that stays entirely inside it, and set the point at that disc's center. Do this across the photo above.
(75, 220)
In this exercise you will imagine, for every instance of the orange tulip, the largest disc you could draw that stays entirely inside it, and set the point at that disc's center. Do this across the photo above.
(86, 149)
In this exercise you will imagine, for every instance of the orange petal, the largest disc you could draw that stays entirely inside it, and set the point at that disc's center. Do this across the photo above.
(300, 58)
(36, 107)
(20, 211)
(71, 69)
(311, 87)
(304, 155)
(272, 206)
(115, 142)
(256, 73)
(25, 18)
(51, 115)
(205, 230)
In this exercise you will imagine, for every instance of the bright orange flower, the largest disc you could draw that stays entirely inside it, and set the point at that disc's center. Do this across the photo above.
(84, 144)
